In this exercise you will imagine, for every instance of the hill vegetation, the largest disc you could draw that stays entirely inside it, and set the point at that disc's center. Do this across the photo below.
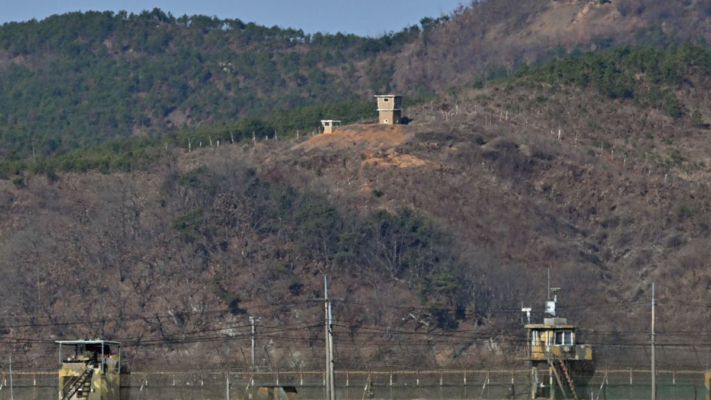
(593, 163)
(83, 78)
(440, 227)
(80, 78)
(648, 76)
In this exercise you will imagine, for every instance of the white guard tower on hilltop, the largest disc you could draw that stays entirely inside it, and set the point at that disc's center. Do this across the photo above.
(390, 109)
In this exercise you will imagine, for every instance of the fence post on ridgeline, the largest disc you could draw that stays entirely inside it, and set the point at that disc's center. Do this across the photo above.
(631, 382)
(707, 384)
(391, 385)
(513, 384)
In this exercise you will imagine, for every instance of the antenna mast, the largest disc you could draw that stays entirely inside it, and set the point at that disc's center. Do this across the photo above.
(552, 300)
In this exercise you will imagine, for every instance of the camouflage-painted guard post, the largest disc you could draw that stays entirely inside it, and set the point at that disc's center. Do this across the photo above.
(555, 356)
(89, 370)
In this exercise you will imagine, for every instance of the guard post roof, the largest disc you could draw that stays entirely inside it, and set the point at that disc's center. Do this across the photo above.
(95, 341)
(544, 326)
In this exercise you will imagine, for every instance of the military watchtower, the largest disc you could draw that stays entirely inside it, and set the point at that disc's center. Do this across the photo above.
(390, 108)
(553, 350)
(89, 370)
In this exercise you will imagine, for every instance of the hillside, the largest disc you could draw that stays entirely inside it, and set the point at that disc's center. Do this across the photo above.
(490, 38)
(162, 209)
(433, 233)
(83, 78)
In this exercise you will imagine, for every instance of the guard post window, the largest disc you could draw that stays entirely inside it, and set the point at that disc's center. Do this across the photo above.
(564, 338)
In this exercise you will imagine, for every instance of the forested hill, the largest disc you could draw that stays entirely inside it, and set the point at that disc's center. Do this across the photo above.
(434, 233)
(81, 78)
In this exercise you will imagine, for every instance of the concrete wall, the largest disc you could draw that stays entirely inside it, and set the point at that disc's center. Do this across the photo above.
(390, 117)
(389, 103)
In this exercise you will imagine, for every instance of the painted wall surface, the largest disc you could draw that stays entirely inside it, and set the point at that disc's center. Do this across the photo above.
(390, 117)
(389, 103)
(103, 385)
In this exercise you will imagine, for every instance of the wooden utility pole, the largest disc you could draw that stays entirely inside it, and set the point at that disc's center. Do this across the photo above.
(12, 392)
(227, 386)
(254, 321)
(654, 361)
(330, 381)
(329, 378)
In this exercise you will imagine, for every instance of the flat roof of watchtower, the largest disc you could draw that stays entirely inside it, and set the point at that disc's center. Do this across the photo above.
(87, 342)
(551, 327)
(387, 95)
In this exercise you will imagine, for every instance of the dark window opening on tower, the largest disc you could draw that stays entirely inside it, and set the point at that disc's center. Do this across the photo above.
(564, 338)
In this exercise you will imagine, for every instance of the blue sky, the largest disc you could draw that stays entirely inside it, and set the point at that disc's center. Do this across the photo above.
(363, 17)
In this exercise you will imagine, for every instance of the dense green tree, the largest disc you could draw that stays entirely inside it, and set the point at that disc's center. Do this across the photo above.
(81, 78)
(648, 75)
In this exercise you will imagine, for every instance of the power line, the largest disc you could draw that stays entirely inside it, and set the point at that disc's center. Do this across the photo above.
(147, 317)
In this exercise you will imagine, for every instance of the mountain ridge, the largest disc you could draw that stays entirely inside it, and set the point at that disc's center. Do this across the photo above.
(81, 78)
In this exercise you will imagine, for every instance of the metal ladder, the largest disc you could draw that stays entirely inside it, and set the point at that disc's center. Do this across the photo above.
(80, 383)
(568, 378)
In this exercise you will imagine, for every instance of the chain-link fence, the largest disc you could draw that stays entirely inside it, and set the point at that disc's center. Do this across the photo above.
(381, 385)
